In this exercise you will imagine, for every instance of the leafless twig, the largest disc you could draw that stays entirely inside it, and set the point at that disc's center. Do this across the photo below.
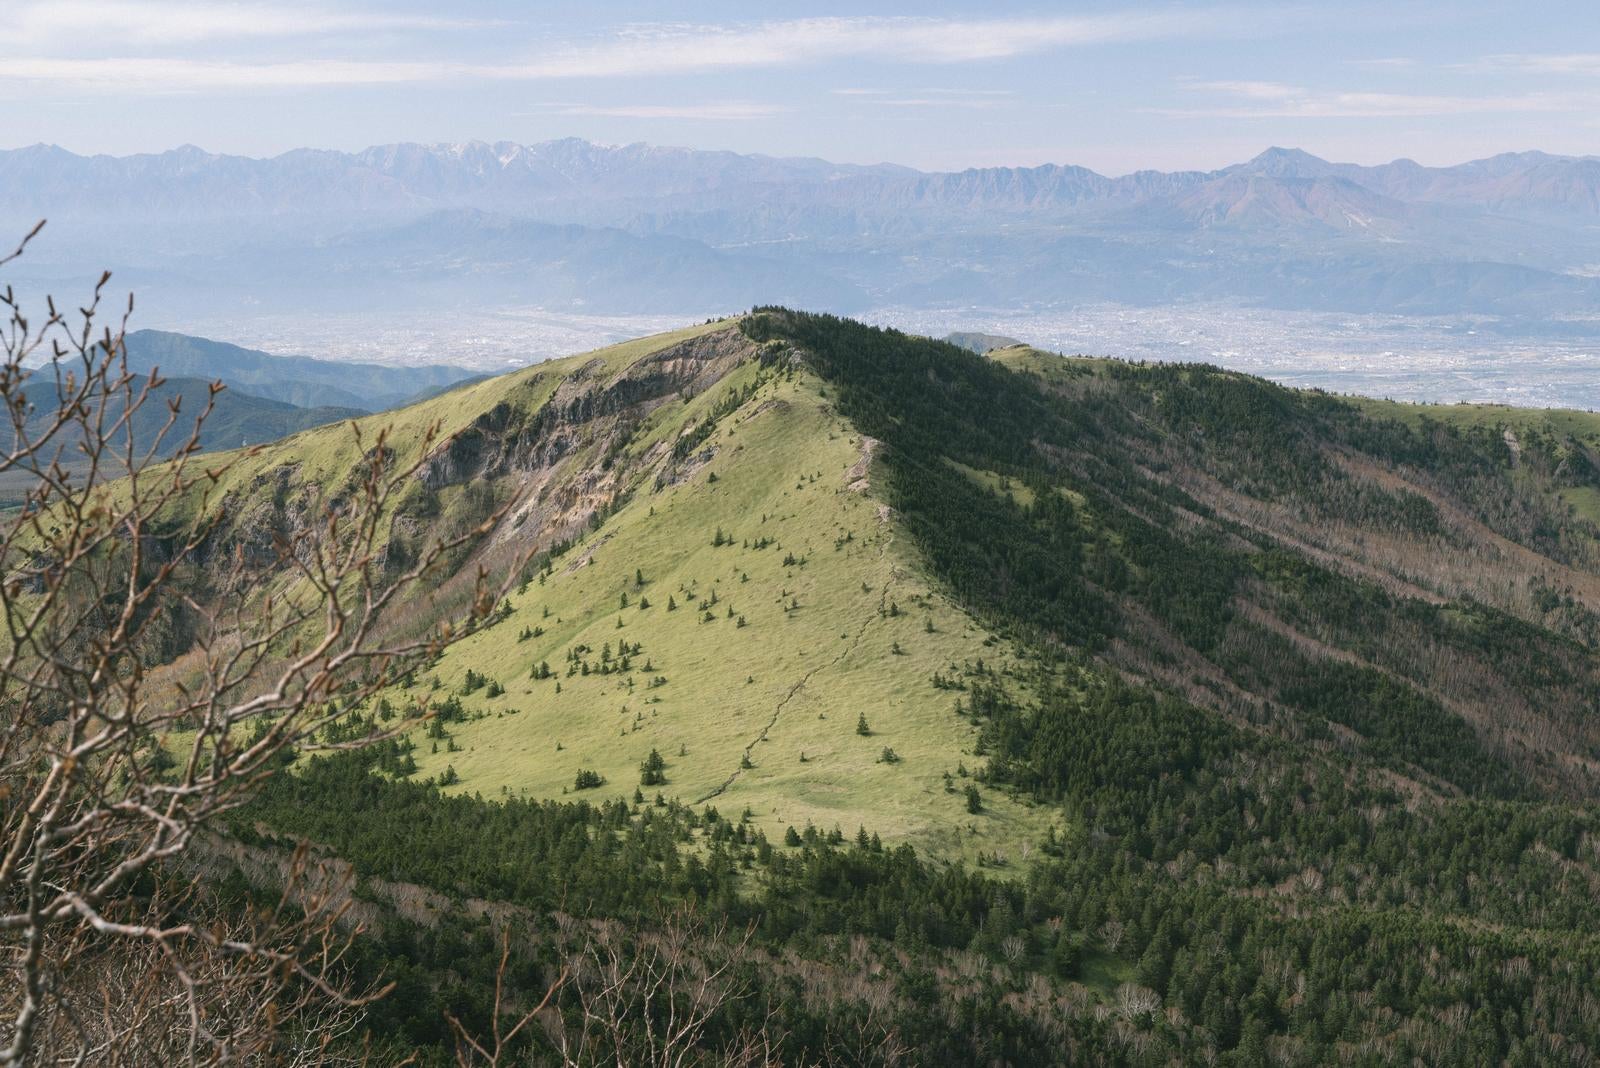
(113, 562)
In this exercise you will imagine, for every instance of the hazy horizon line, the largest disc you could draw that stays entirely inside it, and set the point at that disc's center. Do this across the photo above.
(615, 145)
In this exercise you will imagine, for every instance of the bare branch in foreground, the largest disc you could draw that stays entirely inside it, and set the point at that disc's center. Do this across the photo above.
(117, 558)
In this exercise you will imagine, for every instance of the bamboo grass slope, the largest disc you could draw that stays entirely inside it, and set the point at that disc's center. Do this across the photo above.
(741, 623)
(730, 592)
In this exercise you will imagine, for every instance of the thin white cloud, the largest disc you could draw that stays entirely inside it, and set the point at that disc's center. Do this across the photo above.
(1251, 90)
(1275, 100)
(137, 74)
(1579, 63)
(943, 102)
(930, 97)
(636, 52)
(1385, 62)
(680, 49)
(139, 23)
(719, 111)
(926, 92)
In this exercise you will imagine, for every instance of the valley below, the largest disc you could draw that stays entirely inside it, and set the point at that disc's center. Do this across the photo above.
(1425, 359)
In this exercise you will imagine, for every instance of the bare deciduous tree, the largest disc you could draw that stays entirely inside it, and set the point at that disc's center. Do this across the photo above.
(646, 998)
(490, 1050)
(110, 766)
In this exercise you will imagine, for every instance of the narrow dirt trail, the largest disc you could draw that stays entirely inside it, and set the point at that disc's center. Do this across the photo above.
(777, 712)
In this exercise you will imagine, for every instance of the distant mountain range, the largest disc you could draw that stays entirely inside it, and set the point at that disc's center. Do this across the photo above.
(299, 381)
(236, 420)
(573, 225)
(189, 183)
(267, 397)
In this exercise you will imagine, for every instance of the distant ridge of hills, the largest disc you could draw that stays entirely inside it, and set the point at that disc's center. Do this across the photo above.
(415, 178)
(236, 420)
(297, 381)
(592, 229)
(267, 397)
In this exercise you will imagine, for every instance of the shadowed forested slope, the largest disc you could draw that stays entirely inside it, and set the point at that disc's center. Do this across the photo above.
(1415, 589)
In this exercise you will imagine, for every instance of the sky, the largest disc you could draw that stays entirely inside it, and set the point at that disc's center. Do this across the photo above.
(940, 86)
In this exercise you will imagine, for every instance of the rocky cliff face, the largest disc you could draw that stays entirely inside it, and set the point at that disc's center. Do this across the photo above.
(555, 452)
(586, 408)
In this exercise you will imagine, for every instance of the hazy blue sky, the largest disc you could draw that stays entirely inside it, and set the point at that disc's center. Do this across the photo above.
(940, 85)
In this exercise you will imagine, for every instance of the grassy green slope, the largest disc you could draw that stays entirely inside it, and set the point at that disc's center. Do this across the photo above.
(328, 454)
(840, 620)
(1165, 548)
(786, 689)
(1548, 454)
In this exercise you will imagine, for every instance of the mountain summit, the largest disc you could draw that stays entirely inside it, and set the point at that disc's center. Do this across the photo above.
(760, 530)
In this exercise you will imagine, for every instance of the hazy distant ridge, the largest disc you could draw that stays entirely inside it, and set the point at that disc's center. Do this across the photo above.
(410, 178)
(571, 225)
(301, 381)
